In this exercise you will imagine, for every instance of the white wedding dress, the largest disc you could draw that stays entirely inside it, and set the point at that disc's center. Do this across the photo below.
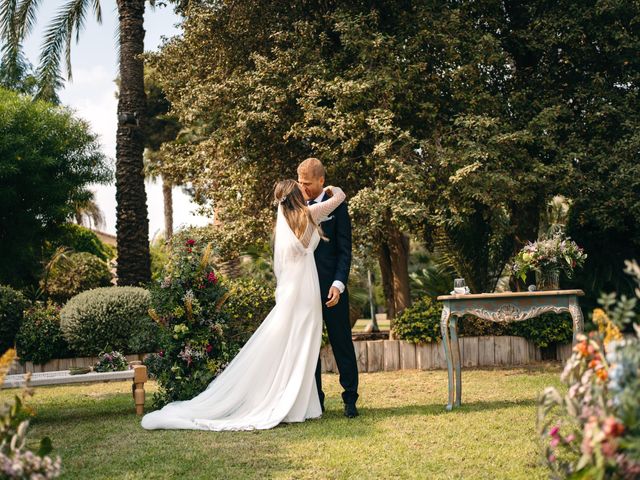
(271, 380)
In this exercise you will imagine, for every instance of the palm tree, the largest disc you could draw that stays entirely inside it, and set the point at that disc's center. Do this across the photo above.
(88, 210)
(17, 18)
(162, 128)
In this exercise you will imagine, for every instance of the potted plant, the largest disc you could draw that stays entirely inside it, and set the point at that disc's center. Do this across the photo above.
(548, 257)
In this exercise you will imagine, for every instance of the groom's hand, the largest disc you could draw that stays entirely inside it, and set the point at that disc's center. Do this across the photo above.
(334, 297)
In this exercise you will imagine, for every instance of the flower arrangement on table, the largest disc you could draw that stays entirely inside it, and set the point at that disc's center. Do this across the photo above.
(547, 258)
(111, 362)
(593, 431)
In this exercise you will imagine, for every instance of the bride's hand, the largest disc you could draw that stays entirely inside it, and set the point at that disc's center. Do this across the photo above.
(329, 190)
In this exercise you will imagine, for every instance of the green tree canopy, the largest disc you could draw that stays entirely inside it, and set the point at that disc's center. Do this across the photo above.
(455, 121)
(47, 160)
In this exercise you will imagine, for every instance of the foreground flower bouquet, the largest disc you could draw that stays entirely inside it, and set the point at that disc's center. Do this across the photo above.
(17, 459)
(593, 431)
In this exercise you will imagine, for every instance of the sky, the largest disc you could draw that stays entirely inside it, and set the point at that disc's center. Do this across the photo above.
(91, 94)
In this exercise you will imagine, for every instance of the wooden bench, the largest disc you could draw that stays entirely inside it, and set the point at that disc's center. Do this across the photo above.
(138, 373)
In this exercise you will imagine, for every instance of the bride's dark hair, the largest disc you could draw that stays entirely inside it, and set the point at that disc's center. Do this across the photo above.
(288, 194)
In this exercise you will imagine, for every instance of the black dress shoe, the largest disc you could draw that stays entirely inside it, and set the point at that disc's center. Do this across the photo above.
(350, 410)
(322, 407)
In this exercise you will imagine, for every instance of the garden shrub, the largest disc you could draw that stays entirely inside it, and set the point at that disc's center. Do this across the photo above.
(547, 329)
(73, 273)
(80, 239)
(12, 305)
(248, 304)
(40, 338)
(419, 323)
(110, 317)
(470, 326)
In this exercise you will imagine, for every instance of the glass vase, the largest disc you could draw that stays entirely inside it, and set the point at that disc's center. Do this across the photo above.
(548, 280)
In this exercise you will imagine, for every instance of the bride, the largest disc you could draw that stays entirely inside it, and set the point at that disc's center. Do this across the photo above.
(271, 380)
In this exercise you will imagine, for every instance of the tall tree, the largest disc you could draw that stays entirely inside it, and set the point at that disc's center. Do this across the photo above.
(162, 127)
(17, 18)
(48, 159)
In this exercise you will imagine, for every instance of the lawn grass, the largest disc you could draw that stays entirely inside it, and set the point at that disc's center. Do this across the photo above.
(403, 432)
(361, 324)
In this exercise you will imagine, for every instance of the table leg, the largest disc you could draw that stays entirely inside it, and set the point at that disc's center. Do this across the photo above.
(444, 330)
(576, 316)
(455, 350)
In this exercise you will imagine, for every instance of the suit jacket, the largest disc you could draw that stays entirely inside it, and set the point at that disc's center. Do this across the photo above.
(333, 258)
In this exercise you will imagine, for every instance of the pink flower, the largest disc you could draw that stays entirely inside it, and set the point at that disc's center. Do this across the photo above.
(161, 353)
(569, 438)
(190, 243)
(209, 348)
(554, 442)
(552, 458)
(212, 278)
(554, 431)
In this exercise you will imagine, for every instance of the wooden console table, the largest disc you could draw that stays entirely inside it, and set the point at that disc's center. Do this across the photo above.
(499, 307)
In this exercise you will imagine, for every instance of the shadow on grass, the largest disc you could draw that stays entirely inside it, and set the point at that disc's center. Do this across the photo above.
(439, 408)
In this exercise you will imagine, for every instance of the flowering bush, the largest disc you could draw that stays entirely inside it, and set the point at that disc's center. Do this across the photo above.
(594, 430)
(555, 253)
(17, 461)
(186, 303)
(111, 362)
(40, 337)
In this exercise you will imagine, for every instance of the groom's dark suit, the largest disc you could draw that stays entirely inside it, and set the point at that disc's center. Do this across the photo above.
(333, 261)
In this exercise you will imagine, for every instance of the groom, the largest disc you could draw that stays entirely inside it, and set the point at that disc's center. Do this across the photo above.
(333, 261)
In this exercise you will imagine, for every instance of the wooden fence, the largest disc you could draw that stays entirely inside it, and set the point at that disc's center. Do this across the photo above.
(386, 355)
(389, 355)
(64, 364)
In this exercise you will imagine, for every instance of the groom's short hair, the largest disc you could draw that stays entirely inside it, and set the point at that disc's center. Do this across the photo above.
(312, 166)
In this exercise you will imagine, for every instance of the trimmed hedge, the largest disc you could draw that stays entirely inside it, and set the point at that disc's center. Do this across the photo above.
(12, 305)
(114, 318)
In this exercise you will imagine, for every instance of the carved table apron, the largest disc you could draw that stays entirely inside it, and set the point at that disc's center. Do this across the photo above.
(499, 307)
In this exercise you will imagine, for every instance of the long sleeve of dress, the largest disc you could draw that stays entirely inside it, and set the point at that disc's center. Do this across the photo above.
(323, 209)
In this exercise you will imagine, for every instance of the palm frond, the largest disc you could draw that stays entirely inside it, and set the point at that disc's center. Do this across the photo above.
(8, 10)
(70, 18)
(26, 17)
(97, 10)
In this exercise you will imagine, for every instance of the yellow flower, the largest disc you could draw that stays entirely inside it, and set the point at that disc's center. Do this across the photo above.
(5, 363)
(605, 326)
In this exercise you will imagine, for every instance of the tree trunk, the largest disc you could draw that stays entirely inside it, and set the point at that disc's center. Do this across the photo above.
(167, 196)
(399, 247)
(132, 224)
(384, 259)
